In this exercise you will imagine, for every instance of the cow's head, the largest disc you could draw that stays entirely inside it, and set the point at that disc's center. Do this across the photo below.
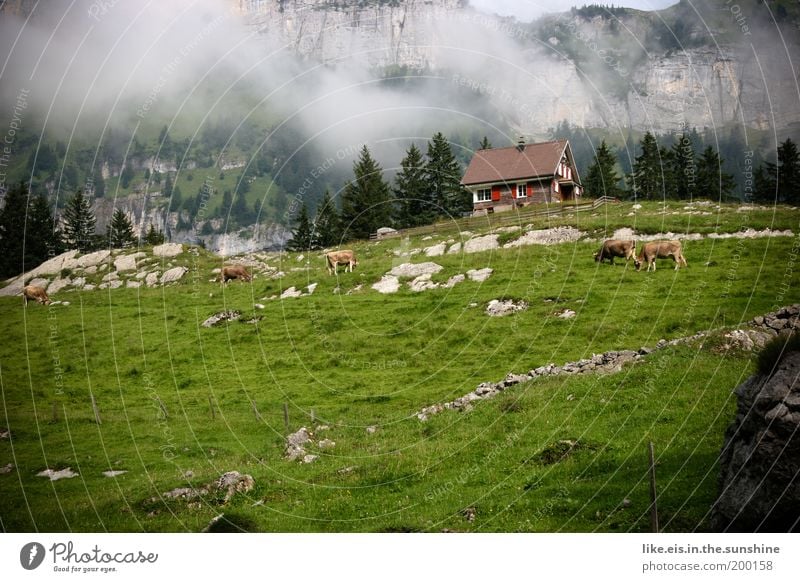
(597, 256)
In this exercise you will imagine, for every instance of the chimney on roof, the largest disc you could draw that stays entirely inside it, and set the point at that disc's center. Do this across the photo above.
(521, 143)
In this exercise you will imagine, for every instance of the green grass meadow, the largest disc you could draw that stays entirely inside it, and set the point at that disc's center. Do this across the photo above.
(364, 359)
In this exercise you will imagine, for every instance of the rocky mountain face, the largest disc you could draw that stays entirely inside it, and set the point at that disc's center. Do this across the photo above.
(146, 209)
(648, 71)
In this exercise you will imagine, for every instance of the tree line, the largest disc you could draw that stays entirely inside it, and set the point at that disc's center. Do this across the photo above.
(30, 234)
(679, 172)
(426, 187)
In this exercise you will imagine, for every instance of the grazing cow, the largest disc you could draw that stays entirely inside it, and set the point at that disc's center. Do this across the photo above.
(34, 293)
(661, 250)
(234, 272)
(336, 258)
(617, 248)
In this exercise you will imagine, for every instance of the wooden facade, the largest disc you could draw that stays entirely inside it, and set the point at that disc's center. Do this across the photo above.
(507, 178)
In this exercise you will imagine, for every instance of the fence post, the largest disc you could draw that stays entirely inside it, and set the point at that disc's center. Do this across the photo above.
(653, 492)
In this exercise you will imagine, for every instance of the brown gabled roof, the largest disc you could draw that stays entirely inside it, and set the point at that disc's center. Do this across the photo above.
(536, 160)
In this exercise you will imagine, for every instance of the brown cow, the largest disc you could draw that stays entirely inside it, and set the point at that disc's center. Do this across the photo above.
(617, 248)
(34, 293)
(661, 250)
(336, 258)
(234, 272)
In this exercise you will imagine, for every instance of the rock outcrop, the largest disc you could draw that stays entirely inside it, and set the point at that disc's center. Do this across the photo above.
(759, 488)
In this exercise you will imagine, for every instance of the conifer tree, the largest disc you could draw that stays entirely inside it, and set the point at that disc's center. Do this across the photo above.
(365, 200)
(712, 181)
(684, 168)
(646, 177)
(788, 172)
(302, 239)
(443, 174)
(411, 206)
(154, 237)
(485, 144)
(12, 231)
(79, 223)
(602, 178)
(120, 231)
(44, 237)
(326, 223)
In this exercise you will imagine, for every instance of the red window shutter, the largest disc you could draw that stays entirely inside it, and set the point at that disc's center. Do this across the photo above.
(495, 193)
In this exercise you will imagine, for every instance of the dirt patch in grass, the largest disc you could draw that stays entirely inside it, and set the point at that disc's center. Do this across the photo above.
(561, 450)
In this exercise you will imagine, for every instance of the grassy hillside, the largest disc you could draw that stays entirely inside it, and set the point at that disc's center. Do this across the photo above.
(364, 360)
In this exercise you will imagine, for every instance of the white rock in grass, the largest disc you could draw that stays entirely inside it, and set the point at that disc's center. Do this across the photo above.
(67, 473)
(413, 270)
(291, 292)
(435, 250)
(481, 243)
(387, 284)
(173, 274)
(113, 473)
(151, 279)
(480, 275)
(168, 250)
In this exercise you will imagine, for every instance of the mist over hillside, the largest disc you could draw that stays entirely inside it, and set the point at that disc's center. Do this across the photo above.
(256, 96)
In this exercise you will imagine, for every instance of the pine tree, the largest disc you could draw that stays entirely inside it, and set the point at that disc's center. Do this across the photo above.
(712, 181)
(485, 144)
(645, 178)
(684, 168)
(79, 223)
(239, 210)
(167, 191)
(154, 237)
(443, 175)
(44, 237)
(126, 176)
(99, 184)
(120, 231)
(411, 206)
(764, 183)
(602, 178)
(365, 200)
(12, 231)
(326, 223)
(302, 234)
(788, 172)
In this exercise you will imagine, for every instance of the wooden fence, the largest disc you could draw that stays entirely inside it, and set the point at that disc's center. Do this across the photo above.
(510, 218)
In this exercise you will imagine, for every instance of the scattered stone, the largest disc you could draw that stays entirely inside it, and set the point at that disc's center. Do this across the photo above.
(151, 279)
(141, 275)
(310, 289)
(300, 258)
(454, 280)
(355, 289)
(387, 284)
(454, 249)
(566, 314)
(422, 283)
(221, 317)
(497, 308)
(58, 284)
(173, 275)
(326, 444)
(88, 287)
(94, 259)
(549, 236)
(259, 305)
(372, 429)
(469, 514)
(481, 243)
(5, 433)
(167, 250)
(102, 267)
(480, 275)
(113, 473)
(309, 458)
(473, 304)
(43, 283)
(133, 284)
(760, 458)
(346, 470)
(127, 262)
(413, 270)
(67, 473)
(385, 231)
(435, 250)
(291, 292)
(7, 469)
(294, 444)
(230, 483)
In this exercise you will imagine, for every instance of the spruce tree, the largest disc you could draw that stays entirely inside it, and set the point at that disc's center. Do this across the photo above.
(326, 223)
(443, 175)
(411, 206)
(602, 178)
(44, 237)
(712, 181)
(365, 200)
(684, 168)
(79, 223)
(485, 144)
(154, 237)
(788, 172)
(99, 184)
(302, 239)
(764, 183)
(12, 231)
(645, 179)
(120, 231)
